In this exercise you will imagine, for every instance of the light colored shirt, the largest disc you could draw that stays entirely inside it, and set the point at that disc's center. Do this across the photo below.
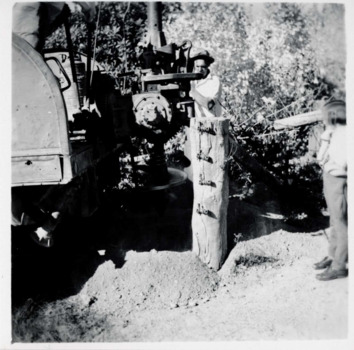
(334, 155)
(322, 154)
(210, 87)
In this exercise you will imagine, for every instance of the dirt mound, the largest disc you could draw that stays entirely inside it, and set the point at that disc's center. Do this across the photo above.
(278, 249)
(150, 280)
(60, 321)
(147, 281)
(265, 290)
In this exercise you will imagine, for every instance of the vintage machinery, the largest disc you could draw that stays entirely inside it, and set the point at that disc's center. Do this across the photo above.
(70, 122)
(162, 103)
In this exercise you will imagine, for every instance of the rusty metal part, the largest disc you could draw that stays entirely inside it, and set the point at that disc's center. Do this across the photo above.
(175, 77)
(202, 156)
(201, 210)
(151, 110)
(156, 36)
(205, 129)
(204, 182)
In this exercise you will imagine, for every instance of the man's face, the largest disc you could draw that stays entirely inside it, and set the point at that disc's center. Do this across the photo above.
(200, 66)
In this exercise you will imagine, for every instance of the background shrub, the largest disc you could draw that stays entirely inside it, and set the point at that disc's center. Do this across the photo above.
(274, 60)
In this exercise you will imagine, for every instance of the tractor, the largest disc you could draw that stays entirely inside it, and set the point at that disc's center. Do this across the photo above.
(70, 122)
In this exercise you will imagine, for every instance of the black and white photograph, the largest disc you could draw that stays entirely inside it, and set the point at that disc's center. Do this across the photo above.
(176, 175)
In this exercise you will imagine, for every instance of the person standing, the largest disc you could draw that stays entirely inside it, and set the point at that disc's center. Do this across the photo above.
(332, 157)
(207, 91)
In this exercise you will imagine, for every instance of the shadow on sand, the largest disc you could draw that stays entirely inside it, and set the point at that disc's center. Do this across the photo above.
(139, 221)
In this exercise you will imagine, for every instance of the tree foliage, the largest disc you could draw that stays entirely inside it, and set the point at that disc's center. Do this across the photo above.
(116, 37)
(271, 59)
(274, 60)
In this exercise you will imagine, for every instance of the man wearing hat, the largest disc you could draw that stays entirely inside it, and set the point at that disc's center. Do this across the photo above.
(207, 91)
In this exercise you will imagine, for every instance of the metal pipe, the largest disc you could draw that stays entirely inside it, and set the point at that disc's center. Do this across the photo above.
(154, 16)
(88, 63)
(72, 59)
(70, 49)
(157, 37)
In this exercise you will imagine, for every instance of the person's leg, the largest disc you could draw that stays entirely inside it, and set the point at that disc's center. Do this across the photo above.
(340, 222)
(328, 184)
(332, 241)
(335, 193)
(331, 236)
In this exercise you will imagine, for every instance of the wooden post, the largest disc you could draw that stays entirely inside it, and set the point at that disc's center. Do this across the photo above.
(209, 153)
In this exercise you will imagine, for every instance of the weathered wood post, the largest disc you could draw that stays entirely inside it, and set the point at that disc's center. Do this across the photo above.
(209, 153)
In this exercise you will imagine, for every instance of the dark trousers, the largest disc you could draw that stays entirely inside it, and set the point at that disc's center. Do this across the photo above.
(335, 191)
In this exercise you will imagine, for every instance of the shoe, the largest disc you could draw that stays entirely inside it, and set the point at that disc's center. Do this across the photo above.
(331, 274)
(324, 263)
(46, 241)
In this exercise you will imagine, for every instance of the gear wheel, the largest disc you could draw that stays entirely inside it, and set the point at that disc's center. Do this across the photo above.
(153, 116)
(152, 111)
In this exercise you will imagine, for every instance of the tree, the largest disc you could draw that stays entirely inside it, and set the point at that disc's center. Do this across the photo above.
(120, 27)
(267, 58)
(274, 60)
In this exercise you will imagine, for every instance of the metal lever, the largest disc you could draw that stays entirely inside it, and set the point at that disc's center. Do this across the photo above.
(202, 181)
(202, 156)
(201, 210)
(204, 129)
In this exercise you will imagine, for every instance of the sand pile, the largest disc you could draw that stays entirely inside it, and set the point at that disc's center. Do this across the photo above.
(150, 280)
(278, 249)
(146, 281)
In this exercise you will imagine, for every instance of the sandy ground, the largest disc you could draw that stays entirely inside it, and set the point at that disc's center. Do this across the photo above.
(169, 296)
(145, 285)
